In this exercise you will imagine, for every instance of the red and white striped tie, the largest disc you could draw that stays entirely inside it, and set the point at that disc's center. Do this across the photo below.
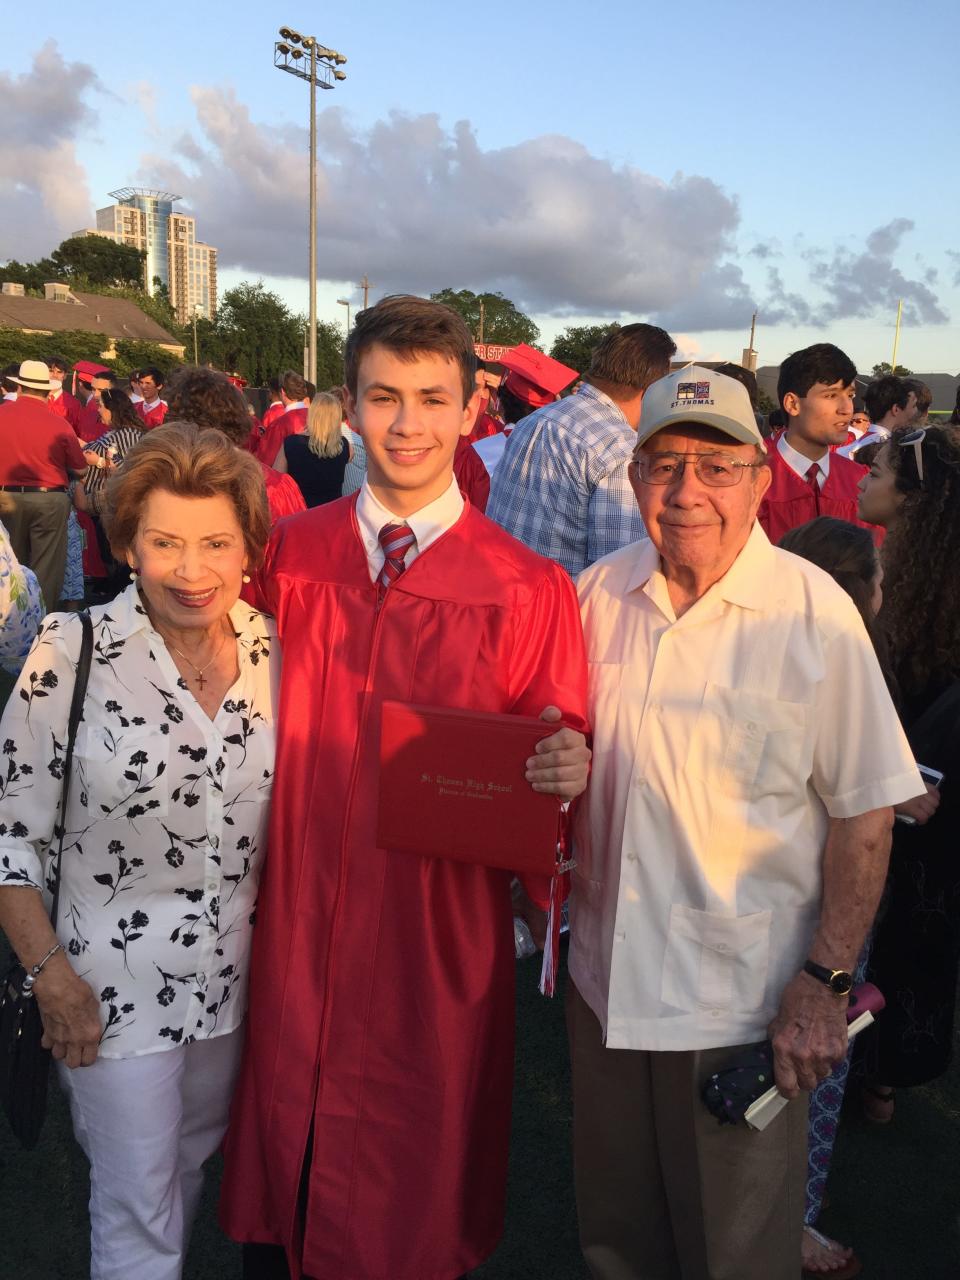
(396, 539)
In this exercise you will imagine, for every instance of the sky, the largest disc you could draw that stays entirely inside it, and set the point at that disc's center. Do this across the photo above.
(622, 160)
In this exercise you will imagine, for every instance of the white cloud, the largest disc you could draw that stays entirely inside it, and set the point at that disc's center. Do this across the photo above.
(43, 186)
(416, 206)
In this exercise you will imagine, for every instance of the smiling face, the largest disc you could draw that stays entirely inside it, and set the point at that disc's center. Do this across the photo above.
(820, 418)
(879, 499)
(191, 556)
(411, 415)
(698, 527)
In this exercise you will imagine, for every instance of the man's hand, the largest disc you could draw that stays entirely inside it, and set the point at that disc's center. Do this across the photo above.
(921, 808)
(561, 764)
(809, 1035)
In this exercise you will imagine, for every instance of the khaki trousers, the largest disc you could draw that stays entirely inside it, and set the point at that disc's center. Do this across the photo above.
(664, 1192)
(38, 534)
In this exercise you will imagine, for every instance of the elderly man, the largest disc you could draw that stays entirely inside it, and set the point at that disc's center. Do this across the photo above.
(730, 853)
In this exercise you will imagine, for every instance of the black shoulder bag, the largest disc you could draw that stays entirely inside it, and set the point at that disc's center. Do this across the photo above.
(24, 1063)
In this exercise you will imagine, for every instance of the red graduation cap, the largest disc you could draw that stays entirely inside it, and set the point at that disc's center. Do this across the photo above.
(87, 369)
(534, 378)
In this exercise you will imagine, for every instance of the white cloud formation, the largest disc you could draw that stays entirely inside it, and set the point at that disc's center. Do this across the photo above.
(43, 186)
(416, 206)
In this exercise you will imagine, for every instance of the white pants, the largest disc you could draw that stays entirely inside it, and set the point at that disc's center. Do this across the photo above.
(147, 1125)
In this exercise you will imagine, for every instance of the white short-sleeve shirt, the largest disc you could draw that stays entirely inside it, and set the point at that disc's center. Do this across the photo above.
(723, 743)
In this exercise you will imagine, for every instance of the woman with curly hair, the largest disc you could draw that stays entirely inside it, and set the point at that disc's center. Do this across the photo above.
(209, 399)
(913, 489)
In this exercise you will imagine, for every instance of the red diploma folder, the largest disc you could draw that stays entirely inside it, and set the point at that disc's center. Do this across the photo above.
(452, 785)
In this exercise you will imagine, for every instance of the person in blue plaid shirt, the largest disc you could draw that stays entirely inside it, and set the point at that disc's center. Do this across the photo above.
(561, 487)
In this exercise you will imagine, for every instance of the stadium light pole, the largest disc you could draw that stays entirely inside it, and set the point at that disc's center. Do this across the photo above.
(345, 302)
(322, 68)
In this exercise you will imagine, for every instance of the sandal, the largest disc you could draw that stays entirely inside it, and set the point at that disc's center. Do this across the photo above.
(878, 1104)
(848, 1264)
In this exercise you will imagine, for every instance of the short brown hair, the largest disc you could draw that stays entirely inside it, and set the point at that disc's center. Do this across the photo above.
(410, 327)
(209, 399)
(191, 462)
(633, 356)
(293, 385)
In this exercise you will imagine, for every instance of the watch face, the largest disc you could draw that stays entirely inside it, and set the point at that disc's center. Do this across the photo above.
(841, 982)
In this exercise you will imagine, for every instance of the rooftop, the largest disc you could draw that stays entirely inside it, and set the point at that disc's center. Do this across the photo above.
(88, 312)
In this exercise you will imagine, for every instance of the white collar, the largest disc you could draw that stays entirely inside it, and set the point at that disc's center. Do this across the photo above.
(294, 404)
(427, 524)
(798, 463)
(152, 404)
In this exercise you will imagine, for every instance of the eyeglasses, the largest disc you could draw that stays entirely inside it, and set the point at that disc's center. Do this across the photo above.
(916, 438)
(714, 469)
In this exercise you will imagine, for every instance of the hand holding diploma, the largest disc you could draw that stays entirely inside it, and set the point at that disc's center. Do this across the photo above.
(560, 764)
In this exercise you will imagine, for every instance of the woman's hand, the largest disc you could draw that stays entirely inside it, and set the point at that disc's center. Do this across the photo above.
(70, 1012)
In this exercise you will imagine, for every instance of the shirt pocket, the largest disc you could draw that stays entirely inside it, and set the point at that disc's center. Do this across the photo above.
(123, 774)
(745, 743)
(715, 962)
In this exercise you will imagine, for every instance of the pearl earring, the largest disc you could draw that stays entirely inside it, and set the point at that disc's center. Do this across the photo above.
(134, 574)
(246, 577)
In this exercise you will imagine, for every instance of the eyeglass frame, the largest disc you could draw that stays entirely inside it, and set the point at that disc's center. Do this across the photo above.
(682, 457)
(915, 437)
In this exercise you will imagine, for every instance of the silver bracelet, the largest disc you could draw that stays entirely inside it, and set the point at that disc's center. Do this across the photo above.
(33, 974)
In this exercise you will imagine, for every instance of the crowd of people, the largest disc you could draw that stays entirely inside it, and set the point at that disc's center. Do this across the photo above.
(740, 645)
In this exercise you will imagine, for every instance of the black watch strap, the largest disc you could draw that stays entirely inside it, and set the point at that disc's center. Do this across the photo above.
(840, 981)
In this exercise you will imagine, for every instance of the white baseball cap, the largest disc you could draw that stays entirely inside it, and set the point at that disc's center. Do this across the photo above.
(701, 397)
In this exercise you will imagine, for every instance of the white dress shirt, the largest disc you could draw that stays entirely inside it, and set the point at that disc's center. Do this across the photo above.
(165, 826)
(427, 524)
(801, 465)
(724, 741)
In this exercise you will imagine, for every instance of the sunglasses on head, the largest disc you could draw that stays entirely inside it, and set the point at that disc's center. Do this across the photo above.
(915, 438)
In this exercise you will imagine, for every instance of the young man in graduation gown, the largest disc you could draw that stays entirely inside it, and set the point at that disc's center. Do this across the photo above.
(810, 479)
(370, 1125)
(151, 408)
(60, 400)
(295, 401)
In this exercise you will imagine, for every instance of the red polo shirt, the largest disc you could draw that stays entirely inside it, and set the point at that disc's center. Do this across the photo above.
(37, 446)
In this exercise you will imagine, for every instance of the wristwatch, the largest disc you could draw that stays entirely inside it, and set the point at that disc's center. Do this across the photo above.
(840, 981)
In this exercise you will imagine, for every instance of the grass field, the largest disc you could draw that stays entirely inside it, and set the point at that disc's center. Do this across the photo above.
(894, 1192)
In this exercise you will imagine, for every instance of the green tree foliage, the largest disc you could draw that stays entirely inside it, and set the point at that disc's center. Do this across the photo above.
(76, 345)
(85, 262)
(503, 322)
(765, 402)
(884, 367)
(255, 334)
(99, 261)
(576, 344)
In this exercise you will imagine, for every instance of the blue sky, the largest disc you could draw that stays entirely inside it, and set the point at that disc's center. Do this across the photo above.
(617, 160)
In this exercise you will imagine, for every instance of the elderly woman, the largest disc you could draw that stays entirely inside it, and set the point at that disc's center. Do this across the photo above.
(142, 989)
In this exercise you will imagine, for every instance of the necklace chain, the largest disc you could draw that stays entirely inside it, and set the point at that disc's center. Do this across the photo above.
(209, 663)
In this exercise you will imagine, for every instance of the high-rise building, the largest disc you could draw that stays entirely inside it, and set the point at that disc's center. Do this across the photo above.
(187, 267)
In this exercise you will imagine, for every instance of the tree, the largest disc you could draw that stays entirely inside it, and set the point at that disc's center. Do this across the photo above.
(765, 402)
(576, 344)
(96, 260)
(884, 367)
(255, 334)
(503, 323)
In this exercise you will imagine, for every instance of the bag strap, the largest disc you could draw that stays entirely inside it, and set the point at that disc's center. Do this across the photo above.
(76, 709)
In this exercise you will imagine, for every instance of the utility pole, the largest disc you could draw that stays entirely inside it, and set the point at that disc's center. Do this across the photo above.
(483, 312)
(365, 286)
(749, 357)
(896, 336)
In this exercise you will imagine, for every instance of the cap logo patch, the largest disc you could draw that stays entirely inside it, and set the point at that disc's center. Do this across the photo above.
(692, 393)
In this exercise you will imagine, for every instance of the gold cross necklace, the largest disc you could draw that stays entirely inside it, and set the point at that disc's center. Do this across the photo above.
(201, 670)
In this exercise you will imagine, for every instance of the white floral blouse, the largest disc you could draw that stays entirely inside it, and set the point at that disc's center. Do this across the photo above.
(21, 607)
(166, 821)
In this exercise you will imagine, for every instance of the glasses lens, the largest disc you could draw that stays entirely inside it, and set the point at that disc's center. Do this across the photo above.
(714, 469)
(658, 468)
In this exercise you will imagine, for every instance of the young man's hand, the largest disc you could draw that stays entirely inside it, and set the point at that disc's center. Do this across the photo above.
(561, 764)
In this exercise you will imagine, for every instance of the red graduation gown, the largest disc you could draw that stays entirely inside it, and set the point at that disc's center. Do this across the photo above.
(790, 501)
(287, 424)
(152, 417)
(67, 406)
(472, 476)
(382, 992)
